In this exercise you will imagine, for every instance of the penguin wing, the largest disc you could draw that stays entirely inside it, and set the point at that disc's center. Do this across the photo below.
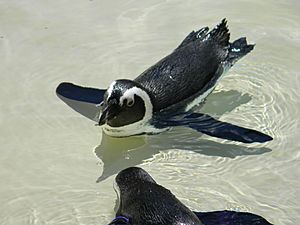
(84, 100)
(230, 218)
(213, 127)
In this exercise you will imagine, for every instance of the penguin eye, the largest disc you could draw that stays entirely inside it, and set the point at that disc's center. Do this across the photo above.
(130, 102)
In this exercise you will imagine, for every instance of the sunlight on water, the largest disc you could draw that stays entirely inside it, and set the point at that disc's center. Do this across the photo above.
(58, 168)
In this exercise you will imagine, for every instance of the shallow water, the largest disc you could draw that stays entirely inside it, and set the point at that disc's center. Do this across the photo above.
(51, 156)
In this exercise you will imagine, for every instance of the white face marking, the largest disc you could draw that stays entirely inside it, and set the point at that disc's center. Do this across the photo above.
(110, 89)
(129, 96)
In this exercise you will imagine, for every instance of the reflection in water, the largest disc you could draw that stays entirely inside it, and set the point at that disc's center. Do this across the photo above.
(119, 153)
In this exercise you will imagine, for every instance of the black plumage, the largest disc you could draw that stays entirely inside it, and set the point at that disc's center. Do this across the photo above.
(144, 202)
(192, 68)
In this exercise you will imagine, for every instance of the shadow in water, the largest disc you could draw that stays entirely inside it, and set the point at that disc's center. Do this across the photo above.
(119, 153)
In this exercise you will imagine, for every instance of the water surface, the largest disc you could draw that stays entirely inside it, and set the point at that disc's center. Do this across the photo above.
(51, 156)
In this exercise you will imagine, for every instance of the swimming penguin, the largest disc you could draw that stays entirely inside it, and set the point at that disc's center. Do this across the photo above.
(163, 95)
(144, 202)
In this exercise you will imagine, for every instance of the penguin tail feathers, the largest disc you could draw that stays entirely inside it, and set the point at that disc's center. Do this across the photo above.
(238, 49)
(193, 36)
(220, 34)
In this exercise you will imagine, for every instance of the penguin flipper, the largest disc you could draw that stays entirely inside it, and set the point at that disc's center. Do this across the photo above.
(83, 100)
(79, 93)
(215, 128)
(230, 218)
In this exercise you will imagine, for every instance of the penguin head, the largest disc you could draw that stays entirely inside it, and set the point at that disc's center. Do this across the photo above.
(125, 102)
(129, 181)
(132, 176)
(143, 201)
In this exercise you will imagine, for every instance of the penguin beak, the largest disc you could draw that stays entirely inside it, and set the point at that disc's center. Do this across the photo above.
(109, 112)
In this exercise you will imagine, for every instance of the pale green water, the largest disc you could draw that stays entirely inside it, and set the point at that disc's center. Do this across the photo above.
(48, 167)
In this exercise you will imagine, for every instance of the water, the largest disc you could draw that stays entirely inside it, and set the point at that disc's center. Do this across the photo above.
(49, 164)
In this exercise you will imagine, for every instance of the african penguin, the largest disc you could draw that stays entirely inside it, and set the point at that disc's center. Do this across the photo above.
(144, 202)
(163, 95)
(141, 201)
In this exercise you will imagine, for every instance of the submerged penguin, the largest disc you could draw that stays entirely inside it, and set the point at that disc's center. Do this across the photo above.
(163, 95)
(144, 202)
